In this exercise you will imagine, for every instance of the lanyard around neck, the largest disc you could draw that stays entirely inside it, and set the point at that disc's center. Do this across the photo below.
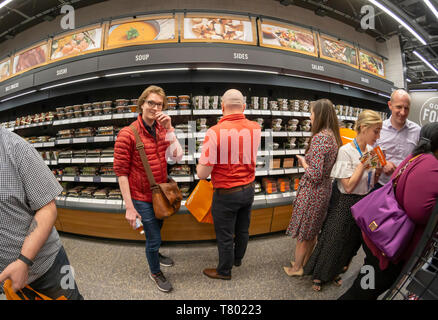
(357, 147)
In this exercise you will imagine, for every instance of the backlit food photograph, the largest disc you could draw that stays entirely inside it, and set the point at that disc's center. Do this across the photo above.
(288, 38)
(5, 69)
(218, 29)
(77, 43)
(371, 64)
(339, 51)
(30, 58)
(139, 32)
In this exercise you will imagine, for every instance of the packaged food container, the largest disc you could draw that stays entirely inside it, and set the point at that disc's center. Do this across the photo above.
(305, 122)
(198, 102)
(273, 105)
(131, 108)
(87, 113)
(305, 128)
(134, 101)
(276, 127)
(107, 110)
(260, 164)
(107, 104)
(292, 128)
(172, 99)
(120, 109)
(60, 110)
(289, 145)
(97, 105)
(260, 121)
(276, 121)
(98, 111)
(78, 114)
(206, 102)
(122, 102)
(257, 187)
(69, 115)
(183, 99)
(293, 122)
(201, 121)
(87, 106)
(171, 106)
(49, 116)
(77, 107)
(68, 109)
(184, 105)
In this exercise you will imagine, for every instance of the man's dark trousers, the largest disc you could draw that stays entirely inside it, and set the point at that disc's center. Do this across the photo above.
(231, 216)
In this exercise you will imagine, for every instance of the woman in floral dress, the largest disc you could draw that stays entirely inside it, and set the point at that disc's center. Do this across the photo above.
(314, 190)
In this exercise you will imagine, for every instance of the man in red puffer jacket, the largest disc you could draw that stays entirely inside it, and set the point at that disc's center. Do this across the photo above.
(157, 134)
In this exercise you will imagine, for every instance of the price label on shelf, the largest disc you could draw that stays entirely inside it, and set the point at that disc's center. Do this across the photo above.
(107, 160)
(79, 140)
(92, 160)
(108, 179)
(103, 139)
(259, 197)
(78, 160)
(62, 160)
(86, 179)
(67, 178)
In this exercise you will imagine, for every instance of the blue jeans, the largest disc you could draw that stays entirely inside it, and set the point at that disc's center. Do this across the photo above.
(152, 230)
(51, 283)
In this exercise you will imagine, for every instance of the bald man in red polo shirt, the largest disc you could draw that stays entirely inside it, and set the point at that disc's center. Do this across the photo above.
(229, 155)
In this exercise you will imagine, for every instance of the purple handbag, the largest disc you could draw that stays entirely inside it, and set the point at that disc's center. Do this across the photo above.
(383, 220)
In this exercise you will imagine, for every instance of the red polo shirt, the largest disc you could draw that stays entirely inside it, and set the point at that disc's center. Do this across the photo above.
(231, 148)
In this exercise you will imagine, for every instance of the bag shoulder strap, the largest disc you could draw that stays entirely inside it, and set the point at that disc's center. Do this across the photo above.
(144, 159)
(395, 180)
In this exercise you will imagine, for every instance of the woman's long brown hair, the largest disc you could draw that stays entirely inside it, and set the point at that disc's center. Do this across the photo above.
(324, 118)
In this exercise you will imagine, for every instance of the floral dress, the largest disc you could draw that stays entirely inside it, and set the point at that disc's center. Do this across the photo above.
(314, 191)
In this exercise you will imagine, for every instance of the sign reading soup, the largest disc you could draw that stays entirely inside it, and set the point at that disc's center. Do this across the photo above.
(30, 58)
(371, 63)
(73, 44)
(338, 51)
(139, 31)
(5, 69)
(287, 37)
(230, 29)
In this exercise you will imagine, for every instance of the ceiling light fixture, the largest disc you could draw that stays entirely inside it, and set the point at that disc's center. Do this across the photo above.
(5, 3)
(236, 69)
(423, 90)
(431, 7)
(394, 16)
(408, 80)
(425, 61)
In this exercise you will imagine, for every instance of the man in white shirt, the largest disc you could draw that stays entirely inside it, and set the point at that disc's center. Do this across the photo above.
(399, 136)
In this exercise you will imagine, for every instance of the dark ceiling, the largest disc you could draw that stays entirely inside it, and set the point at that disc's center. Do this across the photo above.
(20, 15)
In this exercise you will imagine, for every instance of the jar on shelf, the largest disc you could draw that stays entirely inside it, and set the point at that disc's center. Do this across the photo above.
(172, 99)
(121, 102)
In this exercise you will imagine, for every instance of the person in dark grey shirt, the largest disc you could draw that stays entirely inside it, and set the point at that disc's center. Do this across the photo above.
(30, 249)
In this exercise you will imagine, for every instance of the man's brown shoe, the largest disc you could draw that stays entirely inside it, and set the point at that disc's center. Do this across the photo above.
(212, 273)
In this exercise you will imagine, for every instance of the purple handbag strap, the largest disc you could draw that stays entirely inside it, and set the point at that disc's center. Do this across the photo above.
(395, 180)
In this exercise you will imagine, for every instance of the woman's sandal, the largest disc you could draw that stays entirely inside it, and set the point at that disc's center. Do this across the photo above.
(316, 285)
(338, 281)
(290, 273)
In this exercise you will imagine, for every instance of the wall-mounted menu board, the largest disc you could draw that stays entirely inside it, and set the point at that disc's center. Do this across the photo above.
(287, 37)
(371, 63)
(81, 41)
(5, 69)
(142, 30)
(30, 58)
(338, 51)
(216, 28)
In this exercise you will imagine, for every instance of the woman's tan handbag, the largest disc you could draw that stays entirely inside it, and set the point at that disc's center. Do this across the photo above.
(166, 197)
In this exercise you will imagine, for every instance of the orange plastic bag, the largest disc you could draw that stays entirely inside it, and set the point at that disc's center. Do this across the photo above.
(27, 293)
(347, 135)
(199, 201)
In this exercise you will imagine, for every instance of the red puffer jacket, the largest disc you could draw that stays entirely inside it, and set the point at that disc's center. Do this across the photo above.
(127, 161)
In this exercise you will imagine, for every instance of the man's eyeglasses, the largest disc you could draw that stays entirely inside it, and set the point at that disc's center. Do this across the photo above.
(153, 104)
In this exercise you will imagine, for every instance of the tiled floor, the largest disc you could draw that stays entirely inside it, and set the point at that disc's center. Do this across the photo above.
(106, 269)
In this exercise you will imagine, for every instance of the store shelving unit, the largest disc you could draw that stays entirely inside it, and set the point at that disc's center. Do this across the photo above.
(180, 68)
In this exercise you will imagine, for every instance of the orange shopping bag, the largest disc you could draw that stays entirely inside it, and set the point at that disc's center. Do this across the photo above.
(199, 201)
(27, 293)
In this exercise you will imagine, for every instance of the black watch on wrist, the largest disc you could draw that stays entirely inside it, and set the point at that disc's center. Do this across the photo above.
(25, 260)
